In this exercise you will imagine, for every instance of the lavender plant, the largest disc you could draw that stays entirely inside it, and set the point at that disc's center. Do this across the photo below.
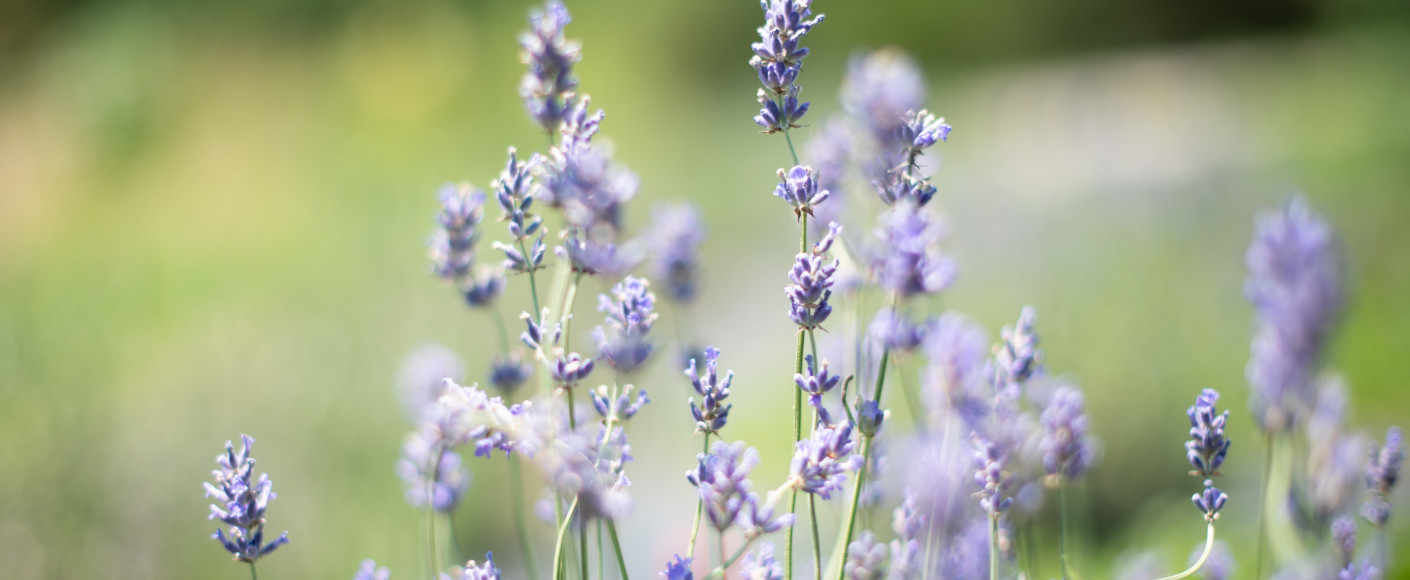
(241, 501)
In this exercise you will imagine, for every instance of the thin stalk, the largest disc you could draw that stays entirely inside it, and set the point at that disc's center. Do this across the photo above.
(1263, 504)
(856, 499)
(1208, 547)
(912, 399)
(558, 543)
(583, 550)
(617, 547)
(601, 573)
(993, 546)
(1030, 546)
(699, 510)
(719, 571)
(431, 508)
(253, 574)
(516, 493)
(817, 543)
(567, 310)
(533, 285)
(797, 393)
(720, 545)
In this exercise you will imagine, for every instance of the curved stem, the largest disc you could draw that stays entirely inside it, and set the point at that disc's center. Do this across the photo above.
(558, 543)
(617, 546)
(516, 493)
(1208, 547)
(699, 510)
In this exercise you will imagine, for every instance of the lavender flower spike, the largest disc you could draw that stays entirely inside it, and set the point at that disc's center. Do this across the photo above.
(866, 559)
(548, 85)
(1207, 445)
(1294, 283)
(429, 467)
(712, 413)
(910, 262)
(1210, 501)
(908, 522)
(472, 571)
(452, 247)
(722, 479)
(991, 461)
(816, 381)
(812, 276)
(820, 464)
(623, 342)
(1382, 470)
(799, 187)
(761, 565)
(1067, 452)
(623, 408)
(242, 501)
(370, 571)
(778, 58)
(676, 236)
(678, 569)
(1017, 358)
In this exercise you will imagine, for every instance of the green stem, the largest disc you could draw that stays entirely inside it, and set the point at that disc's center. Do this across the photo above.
(720, 545)
(516, 493)
(567, 310)
(617, 547)
(791, 150)
(253, 574)
(719, 571)
(533, 285)
(1263, 505)
(699, 510)
(993, 546)
(601, 573)
(558, 543)
(856, 500)
(1062, 527)
(797, 397)
(817, 543)
(1208, 547)
(912, 399)
(431, 508)
(583, 549)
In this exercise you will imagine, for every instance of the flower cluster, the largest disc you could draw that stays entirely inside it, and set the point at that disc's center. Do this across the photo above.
(453, 244)
(910, 263)
(866, 559)
(432, 472)
(778, 58)
(815, 380)
(799, 187)
(1067, 452)
(629, 316)
(548, 85)
(812, 276)
(514, 192)
(722, 479)
(991, 461)
(1207, 445)
(712, 412)
(542, 336)
(820, 463)
(241, 502)
(621, 408)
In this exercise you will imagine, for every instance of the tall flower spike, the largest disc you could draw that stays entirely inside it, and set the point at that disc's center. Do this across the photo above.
(623, 407)
(241, 503)
(722, 480)
(1207, 445)
(712, 413)
(1382, 470)
(778, 58)
(799, 187)
(1067, 452)
(514, 192)
(895, 332)
(879, 88)
(991, 475)
(453, 245)
(908, 522)
(623, 341)
(676, 235)
(548, 85)
(679, 569)
(1017, 357)
(816, 380)
(820, 463)
(808, 295)
(1294, 283)
(910, 262)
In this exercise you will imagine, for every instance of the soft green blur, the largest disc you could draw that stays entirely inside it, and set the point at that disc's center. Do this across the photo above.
(212, 219)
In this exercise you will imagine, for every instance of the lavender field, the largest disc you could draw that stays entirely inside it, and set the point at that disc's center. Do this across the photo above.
(1127, 253)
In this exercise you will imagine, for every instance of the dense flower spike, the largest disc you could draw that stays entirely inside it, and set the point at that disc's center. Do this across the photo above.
(514, 192)
(676, 235)
(910, 262)
(1344, 538)
(1067, 452)
(722, 478)
(370, 571)
(679, 569)
(820, 463)
(799, 187)
(812, 276)
(453, 244)
(1294, 282)
(992, 476)
(508, 372)
(1382, 470)
(623, 342)
(1017, 358)
(1207, 445)
(954, 379)
(711, 414)
(866, 559)
(548, 85)
(623, 407)
(241, 503)
(1210, 501)
(816, 380)
(431, 469)
(778, 58)
(761, 565)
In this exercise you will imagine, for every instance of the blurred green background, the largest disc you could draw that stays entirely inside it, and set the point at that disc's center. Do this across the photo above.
(212, 217)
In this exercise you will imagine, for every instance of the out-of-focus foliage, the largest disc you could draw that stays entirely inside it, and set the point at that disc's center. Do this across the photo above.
(213, 216)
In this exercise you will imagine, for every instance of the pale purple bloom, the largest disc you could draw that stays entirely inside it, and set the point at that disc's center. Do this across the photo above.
(514, 192)
(589, 464)
(1220, 565)
(1017, 357)
(1294, 282)
(761, 565)
(895, 332)
(1382, 470)
(908, 522)
(967, 556)
(1210, 501)
(431, 469)
(453, 243)
(517, 261)
(782, 114)
(606, 258)
(820, 463)
(762, 518)
(241, 503)
(816, 380)
(722, 479)
(870, 415)
(1365, 570)
(623, 341)
(1344, 538)
(370, 571)
(866, 558)
(549, 82)
(679, 569)
(712, 413)
(799, 187)
(570, 369)
(676, 235)
(910, 262)
(991, 461)
(622, 408)
(919, 130)
(830, 151)
(581, 178)
(954, 380)
(880, 87)
(508, 372)
(811, 288)
(1207, 445)
(473, 571)
(422, 378)
(1066, 449)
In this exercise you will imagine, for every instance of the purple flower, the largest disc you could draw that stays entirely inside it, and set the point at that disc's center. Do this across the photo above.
(778, 58)
(676, 234)
(991, 460)
(453, 244)
(799, 187)
(473, 571)
(1066, 449)
(623, 342)
(816, 381)
(820, 463)
(761, 565)
(678, 569)
(241, 503)
(761, 518)
(712, 413)
(1220, 565)
(422, 378)
(1344, 538)
(879, 88)
(1207, 445)
(830, 150)
(866, 558)
(548, 85)
(514, 192)
(1210, 501)
(517, 261)
(1294, 283)
(782, 114)
(469, 415)
(919, 130)
(508, 372)
(1363, 571)
(1382, 470)
(1017, 357)
(370, 571)
(808, 295)
(429, 468)
(908, 522)
(954, 380)
(895, 332)
(589, 464)
(623, 408)
(722, 478)
(605, 258)
(582, 179)
(910, 262)
(870, 415)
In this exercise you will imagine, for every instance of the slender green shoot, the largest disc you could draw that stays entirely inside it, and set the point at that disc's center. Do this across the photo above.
(1208, 547)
